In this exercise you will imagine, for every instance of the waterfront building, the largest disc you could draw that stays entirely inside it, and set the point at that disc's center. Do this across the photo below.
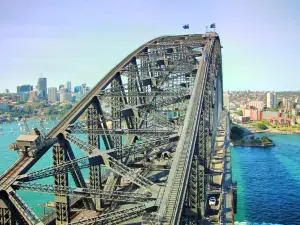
(52, 94)
(271, 100)
(42, 87)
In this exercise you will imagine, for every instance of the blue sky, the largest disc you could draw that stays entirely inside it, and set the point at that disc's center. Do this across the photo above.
(81, 40)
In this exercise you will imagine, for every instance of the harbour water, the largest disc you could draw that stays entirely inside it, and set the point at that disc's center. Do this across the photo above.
(268, 182)
(8, 157)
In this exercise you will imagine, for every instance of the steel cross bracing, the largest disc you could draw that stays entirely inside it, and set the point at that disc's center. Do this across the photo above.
(121, 196)
(148, 156)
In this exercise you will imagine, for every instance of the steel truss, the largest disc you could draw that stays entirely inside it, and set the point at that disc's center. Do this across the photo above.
(143, 162)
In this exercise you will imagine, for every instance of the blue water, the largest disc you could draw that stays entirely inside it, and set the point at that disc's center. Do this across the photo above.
(268, 182)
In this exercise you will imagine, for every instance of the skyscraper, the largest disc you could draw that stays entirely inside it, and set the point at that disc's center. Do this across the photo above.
(69, 87)
(271, 100)
(42, 87)
(77, 89)
(52, 94)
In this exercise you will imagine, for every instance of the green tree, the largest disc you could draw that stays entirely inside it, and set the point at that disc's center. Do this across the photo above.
(261, 126)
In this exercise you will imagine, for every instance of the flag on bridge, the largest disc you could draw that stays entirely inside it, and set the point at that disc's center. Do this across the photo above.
(213, 25)
(187, 26)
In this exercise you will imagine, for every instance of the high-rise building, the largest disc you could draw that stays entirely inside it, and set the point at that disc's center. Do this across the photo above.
(226, 100)
(271, 100)
(77, 89)
(69, 86)
(83, 89)
(24, 89)
(65, 97)
(52, 94)
(6, 91)
(32, 96)
(61, 87)
(42, 87)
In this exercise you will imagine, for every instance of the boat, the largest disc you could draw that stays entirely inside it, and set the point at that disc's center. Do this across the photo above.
(1, 133)
(11, 130)
(47, 128)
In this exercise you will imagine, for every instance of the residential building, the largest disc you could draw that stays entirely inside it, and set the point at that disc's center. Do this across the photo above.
(297, 100)
(52, 94)
(257, 104)
(271, 100)
(253, 114)
(281, 121)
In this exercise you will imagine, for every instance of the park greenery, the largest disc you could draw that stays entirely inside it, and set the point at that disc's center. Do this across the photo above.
(261, 126)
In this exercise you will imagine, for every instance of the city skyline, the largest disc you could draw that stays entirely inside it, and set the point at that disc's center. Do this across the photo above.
(84, 45)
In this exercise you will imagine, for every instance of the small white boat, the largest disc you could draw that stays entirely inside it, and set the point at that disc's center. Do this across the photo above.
(1, 133)
(11, 130)
(47, 128)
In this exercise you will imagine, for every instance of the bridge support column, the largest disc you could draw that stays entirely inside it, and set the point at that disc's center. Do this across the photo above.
(6, 213)
(94, 140)
(116, 114)
(62, 203)
(132, 90)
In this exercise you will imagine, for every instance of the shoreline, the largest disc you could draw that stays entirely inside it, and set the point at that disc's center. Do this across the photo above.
(252, 145)
(274, 132)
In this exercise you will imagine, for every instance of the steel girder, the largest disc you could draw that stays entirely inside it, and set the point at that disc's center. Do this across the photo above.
(115, 217)
(121, 196)
(162, 75)
(94, 140)
(62, 203)
(27, 214)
